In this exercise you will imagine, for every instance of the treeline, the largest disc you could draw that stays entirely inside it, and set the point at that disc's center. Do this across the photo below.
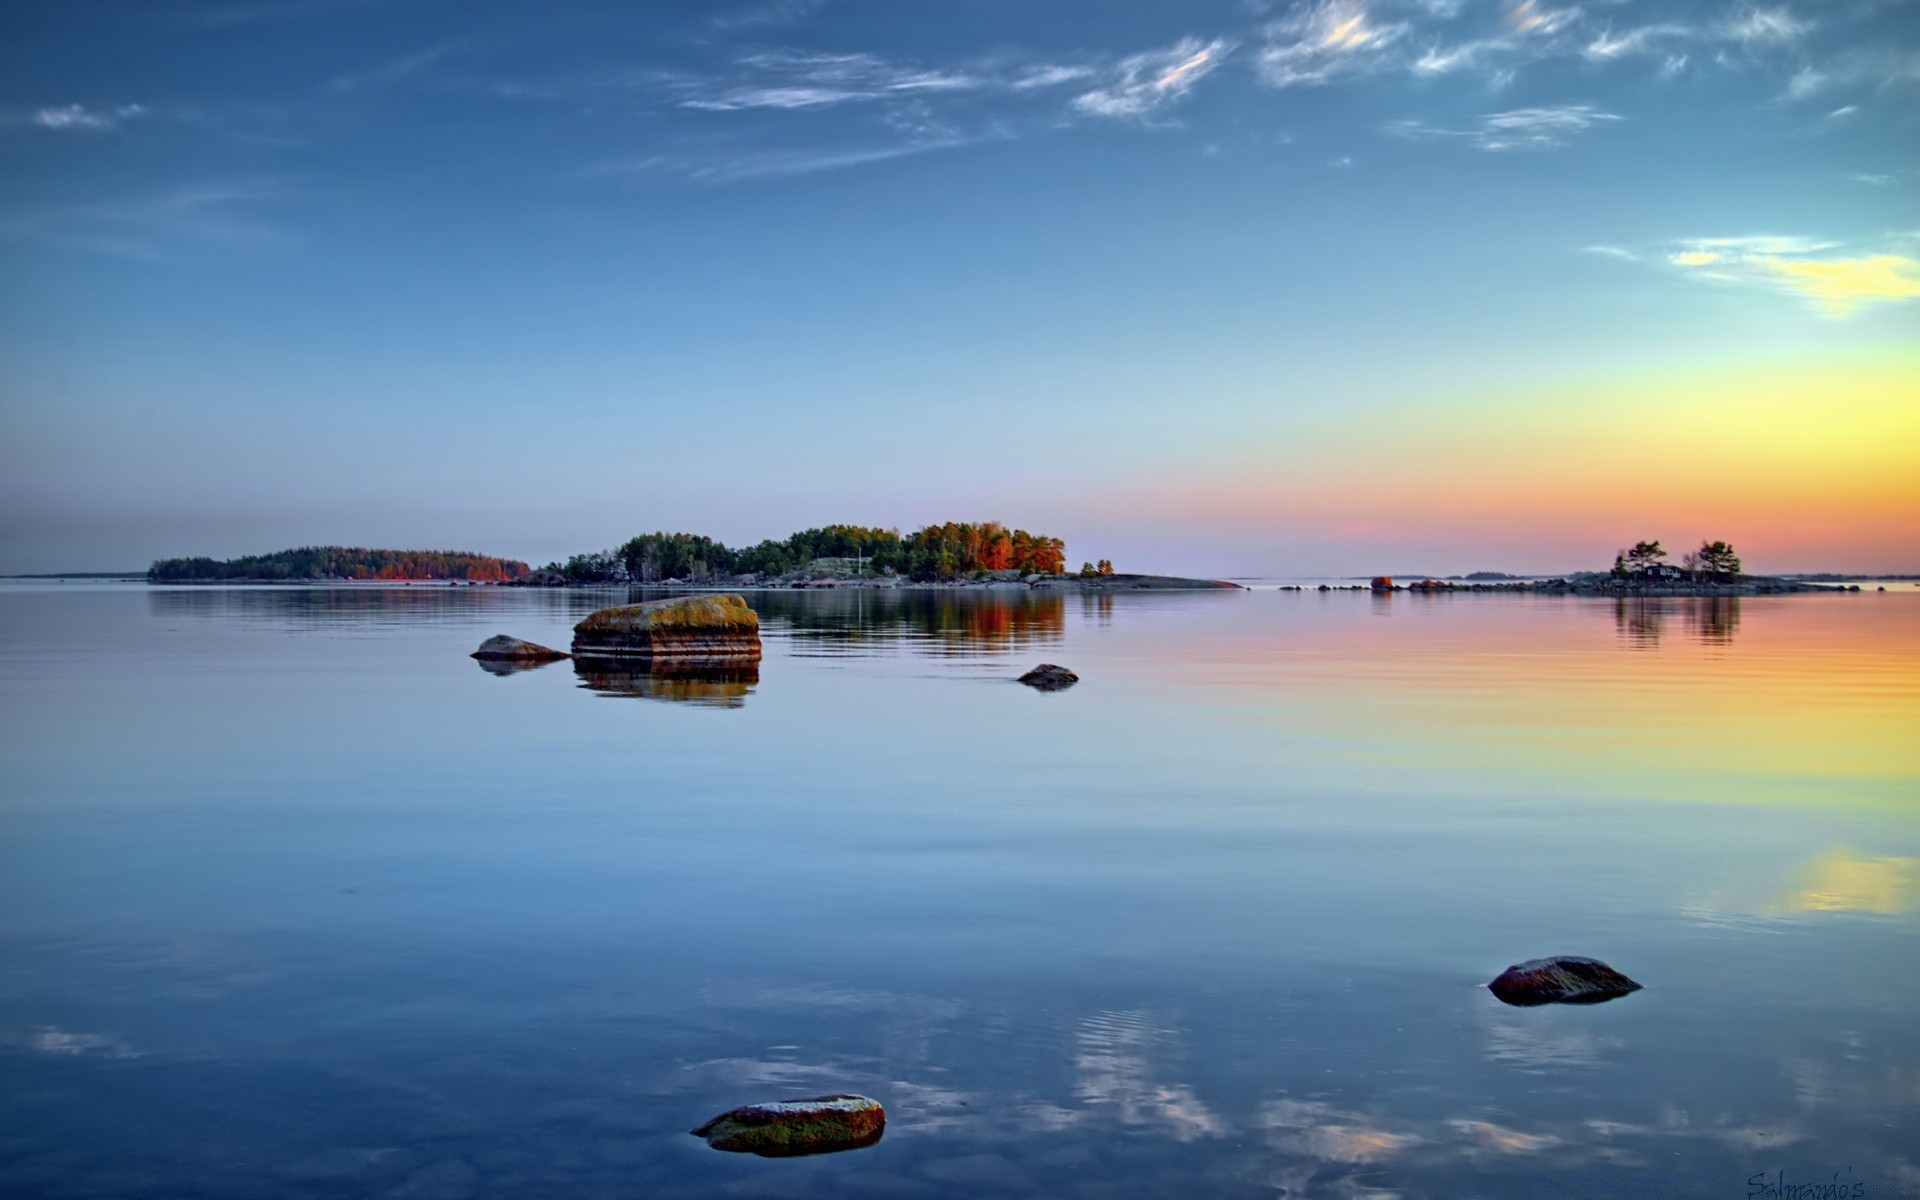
(935, 552)
(340, 562)
(1716, 560)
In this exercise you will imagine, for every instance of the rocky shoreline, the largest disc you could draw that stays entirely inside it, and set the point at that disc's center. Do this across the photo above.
(1589, 585)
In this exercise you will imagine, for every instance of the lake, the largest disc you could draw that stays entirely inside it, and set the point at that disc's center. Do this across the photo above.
(298, 900)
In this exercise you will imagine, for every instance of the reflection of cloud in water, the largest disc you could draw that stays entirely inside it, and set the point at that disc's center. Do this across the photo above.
(1503, 1140)
(1321, 1131)
(1536, 1045)
(1113, 1056)
(49, 1039)
(1842, 881)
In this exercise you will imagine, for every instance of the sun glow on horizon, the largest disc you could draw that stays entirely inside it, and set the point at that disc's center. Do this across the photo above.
(1810, 466)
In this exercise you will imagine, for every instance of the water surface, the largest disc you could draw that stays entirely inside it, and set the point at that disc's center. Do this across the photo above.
(296, 899)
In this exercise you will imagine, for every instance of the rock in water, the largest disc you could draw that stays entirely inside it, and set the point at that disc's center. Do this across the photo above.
(707, 627)
(790, 1128)
(501, 648)
(1049, 678)
(1562, 980)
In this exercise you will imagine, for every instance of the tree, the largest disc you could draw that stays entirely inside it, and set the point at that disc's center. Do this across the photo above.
(1086, 568)
(1104, 566)
(1719, 560)
(1691, 561)
(1644, 556)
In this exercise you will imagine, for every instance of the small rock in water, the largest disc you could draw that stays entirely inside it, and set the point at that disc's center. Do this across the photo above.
(501, 648)
(1566, 979)
(1049, 677)
(790, 1128)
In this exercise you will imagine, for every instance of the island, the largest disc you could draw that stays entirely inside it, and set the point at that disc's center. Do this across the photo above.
(314, 564)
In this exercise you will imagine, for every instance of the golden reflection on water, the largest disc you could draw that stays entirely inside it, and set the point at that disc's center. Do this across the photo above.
(1842, 880)
(1812, 697)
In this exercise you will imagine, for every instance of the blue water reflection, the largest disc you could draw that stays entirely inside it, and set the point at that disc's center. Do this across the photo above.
(295, 901)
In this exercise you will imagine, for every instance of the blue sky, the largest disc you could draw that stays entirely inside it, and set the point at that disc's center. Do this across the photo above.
(527, 279)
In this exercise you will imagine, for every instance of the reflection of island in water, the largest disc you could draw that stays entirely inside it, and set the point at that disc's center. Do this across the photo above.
(715, 683)
(1712, 619)
(931, 622)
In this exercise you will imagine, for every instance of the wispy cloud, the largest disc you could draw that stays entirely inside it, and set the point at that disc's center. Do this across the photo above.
(789, 79)
(155, 226)
(76, 118)
(1326, 40)
(766, 15)
(1838, 280)
(1145, 83)
(391, 71)
(281, 10)
(1766, 25)
(1537, 20)
(739, 166)
(1517, 129)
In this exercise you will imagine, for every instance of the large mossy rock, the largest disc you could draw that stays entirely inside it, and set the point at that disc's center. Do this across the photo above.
(1566, 979)
(789, 1128)
(708, 627)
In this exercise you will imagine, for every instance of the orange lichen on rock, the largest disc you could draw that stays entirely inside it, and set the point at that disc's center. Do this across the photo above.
(713, 627)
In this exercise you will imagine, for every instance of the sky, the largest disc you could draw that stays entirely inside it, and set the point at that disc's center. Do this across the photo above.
(1203, 286)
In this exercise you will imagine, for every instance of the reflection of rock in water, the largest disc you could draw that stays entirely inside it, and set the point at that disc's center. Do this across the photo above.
(718, 683)
(513, 666)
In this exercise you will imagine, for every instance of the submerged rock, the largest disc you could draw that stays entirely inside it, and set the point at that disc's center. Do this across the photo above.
(1565, 979)
(501, 648)
(708, 627)
(1049, 678)
(790, 1128)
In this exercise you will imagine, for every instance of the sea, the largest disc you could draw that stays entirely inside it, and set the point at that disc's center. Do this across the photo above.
(299, 900)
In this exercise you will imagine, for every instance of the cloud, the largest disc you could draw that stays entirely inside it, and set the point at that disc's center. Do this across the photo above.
(1530, 18)
(392, 71)
(1518, 129)
(150, 227)
(1323, 41)
(1838, 282)
(1645, 40)
(1144, 83)
(1766, 25)
(788, 79)
(284, 10)
(77, 118)
(771, 13)
(768, 164)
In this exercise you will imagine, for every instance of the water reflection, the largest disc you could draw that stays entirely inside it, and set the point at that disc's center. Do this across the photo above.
(513, 666)
(1642, 620)
(933, 622)
(714, 683)
(1843, 881)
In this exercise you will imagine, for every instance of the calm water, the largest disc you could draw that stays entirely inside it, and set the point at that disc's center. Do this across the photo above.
(296, 900)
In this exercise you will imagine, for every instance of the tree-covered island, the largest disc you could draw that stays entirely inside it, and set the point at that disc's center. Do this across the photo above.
(340, 562)
(949, 551)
